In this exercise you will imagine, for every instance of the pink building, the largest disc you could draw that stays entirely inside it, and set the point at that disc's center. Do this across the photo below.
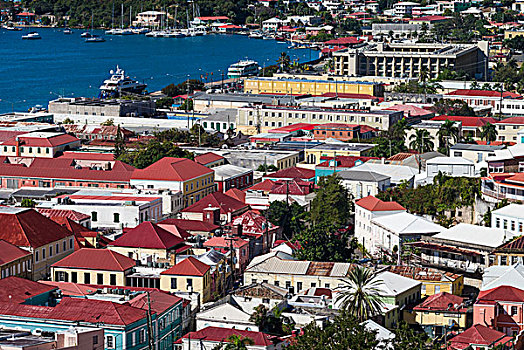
(500, 308)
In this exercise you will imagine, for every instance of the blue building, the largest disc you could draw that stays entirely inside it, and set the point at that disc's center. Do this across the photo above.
(122, 313)
(329, 165)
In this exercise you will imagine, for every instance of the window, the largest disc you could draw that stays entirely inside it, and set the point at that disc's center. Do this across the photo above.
(112, 279)
(50, 251)
(74, 277)
(313, 284)
(110, 341)
(57, 248)
(173, 283)
(277, 283)
(505, 224)
(142, 336)
(36, 256)
(497, 222)
(513, 310)
(95, 339)
(423, 289)
(70, 243)
(100, 278)
(43, 253)
(437, 289)
(189, 283)
(94, 216)
(288, 284)
(116, 217)
(87, 278)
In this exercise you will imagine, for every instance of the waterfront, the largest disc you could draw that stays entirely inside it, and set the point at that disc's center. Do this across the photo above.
(34, 72)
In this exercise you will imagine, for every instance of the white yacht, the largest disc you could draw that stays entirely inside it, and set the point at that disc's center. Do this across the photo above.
(119, 83)
(244, 68)
(31, 36)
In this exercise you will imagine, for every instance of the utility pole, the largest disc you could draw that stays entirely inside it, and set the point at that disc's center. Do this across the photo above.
(151, 344)
(232, 257)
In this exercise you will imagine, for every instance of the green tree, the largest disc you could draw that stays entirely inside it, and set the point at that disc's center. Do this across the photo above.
(238, 342)
(488, 132)
(152, 152)
(290, 217)
(360, 295)
(265, 168)
(120, 146)
(28, 203)
(421, 141)
(486, 218)
(407, 338)
(322, 242)
(108, 122)
(345, 332)
(448, 131)
(190, 85)
(68, 121)
(386, 146)
(283, 61)
(259, 316)
(453, 107)
(332, 203)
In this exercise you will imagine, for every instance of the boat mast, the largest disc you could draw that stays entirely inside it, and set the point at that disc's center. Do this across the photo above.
(122, 17)
(130, 10)
(113, 16)
(175, 24)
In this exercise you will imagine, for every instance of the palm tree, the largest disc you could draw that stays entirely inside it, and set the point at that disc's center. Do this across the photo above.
(283, 61)
(421, 140)
(488, 132)
(448, 130)
(361, 294)
(237, 342)
(398, 130)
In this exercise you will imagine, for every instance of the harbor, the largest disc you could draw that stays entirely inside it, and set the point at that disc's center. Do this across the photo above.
(64, 65)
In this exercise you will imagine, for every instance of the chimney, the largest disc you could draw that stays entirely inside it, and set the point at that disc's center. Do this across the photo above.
(18, 143)
(212, 215)
(236, 230)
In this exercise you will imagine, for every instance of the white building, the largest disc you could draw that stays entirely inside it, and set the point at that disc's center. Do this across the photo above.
(473, 152)
(509, 218)
(390, 231)
(111, 211)
(404, 8)
(272, 24)
(451, 166)
(225, 316)
(367, 209)
(363, 183)
(397, 173)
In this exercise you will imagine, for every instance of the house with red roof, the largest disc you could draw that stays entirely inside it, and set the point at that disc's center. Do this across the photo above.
(83, 235)
(79, 218)
(438, 311)
(367, 209)
(39, 144)
(211, 337)
(255, 227)
(93, 266)
(512, 103)
(181, 227)
(210, 159)
(480, 337)
(149, 242)
(292, 173)
(228, 207)
(19, 290)
(188, 276)
(46, 240)
(14, 261)
(500, 308)
(194, 180)
(225, 244)
(237, 194)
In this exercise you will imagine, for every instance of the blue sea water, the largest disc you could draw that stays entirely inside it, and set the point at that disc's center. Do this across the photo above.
(35, 71)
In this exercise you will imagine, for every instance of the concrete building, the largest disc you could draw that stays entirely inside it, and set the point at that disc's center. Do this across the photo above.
(363, 183)
(451, 166)
(80, 108)
(404, 8)
(409, 60)
(255, 119)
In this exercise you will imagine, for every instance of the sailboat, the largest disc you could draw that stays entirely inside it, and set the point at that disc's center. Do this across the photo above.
(112, 30)
(93, 38)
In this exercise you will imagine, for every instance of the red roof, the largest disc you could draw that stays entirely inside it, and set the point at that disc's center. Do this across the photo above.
(292, 127)
(208, 158)
(171, 169)
(216, 200)
(511, 120)
(63, 213)
(88, 156)
(298, 188)
(484, 93)
(479, 335)
(374, 204)
(410, 110)
(18, 290)
(96, 259)
(148, 235)
(253, 223)
(335, 126)
(349, 40)
(33, 141)
(237, 194)
(442, 302)
(223, 242)
(28, 228)
(188, 267)
(265, 185)
(172, 225)
(467, 121)
(502, 293)
(213, 18)
(78, 309)
(430, 18)
(219, 334)
(295, 246)
(78, 230)
(63, 168)
(10, 252)
(343, 161)
(293, 173)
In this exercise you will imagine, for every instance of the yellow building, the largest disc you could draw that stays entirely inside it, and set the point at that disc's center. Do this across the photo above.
(433, 280)
(14, 261)
(510, 34)
(310, 87)
(314, 155)
(188, 276)
(438, 312)
(93, 266)
(195, 181)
